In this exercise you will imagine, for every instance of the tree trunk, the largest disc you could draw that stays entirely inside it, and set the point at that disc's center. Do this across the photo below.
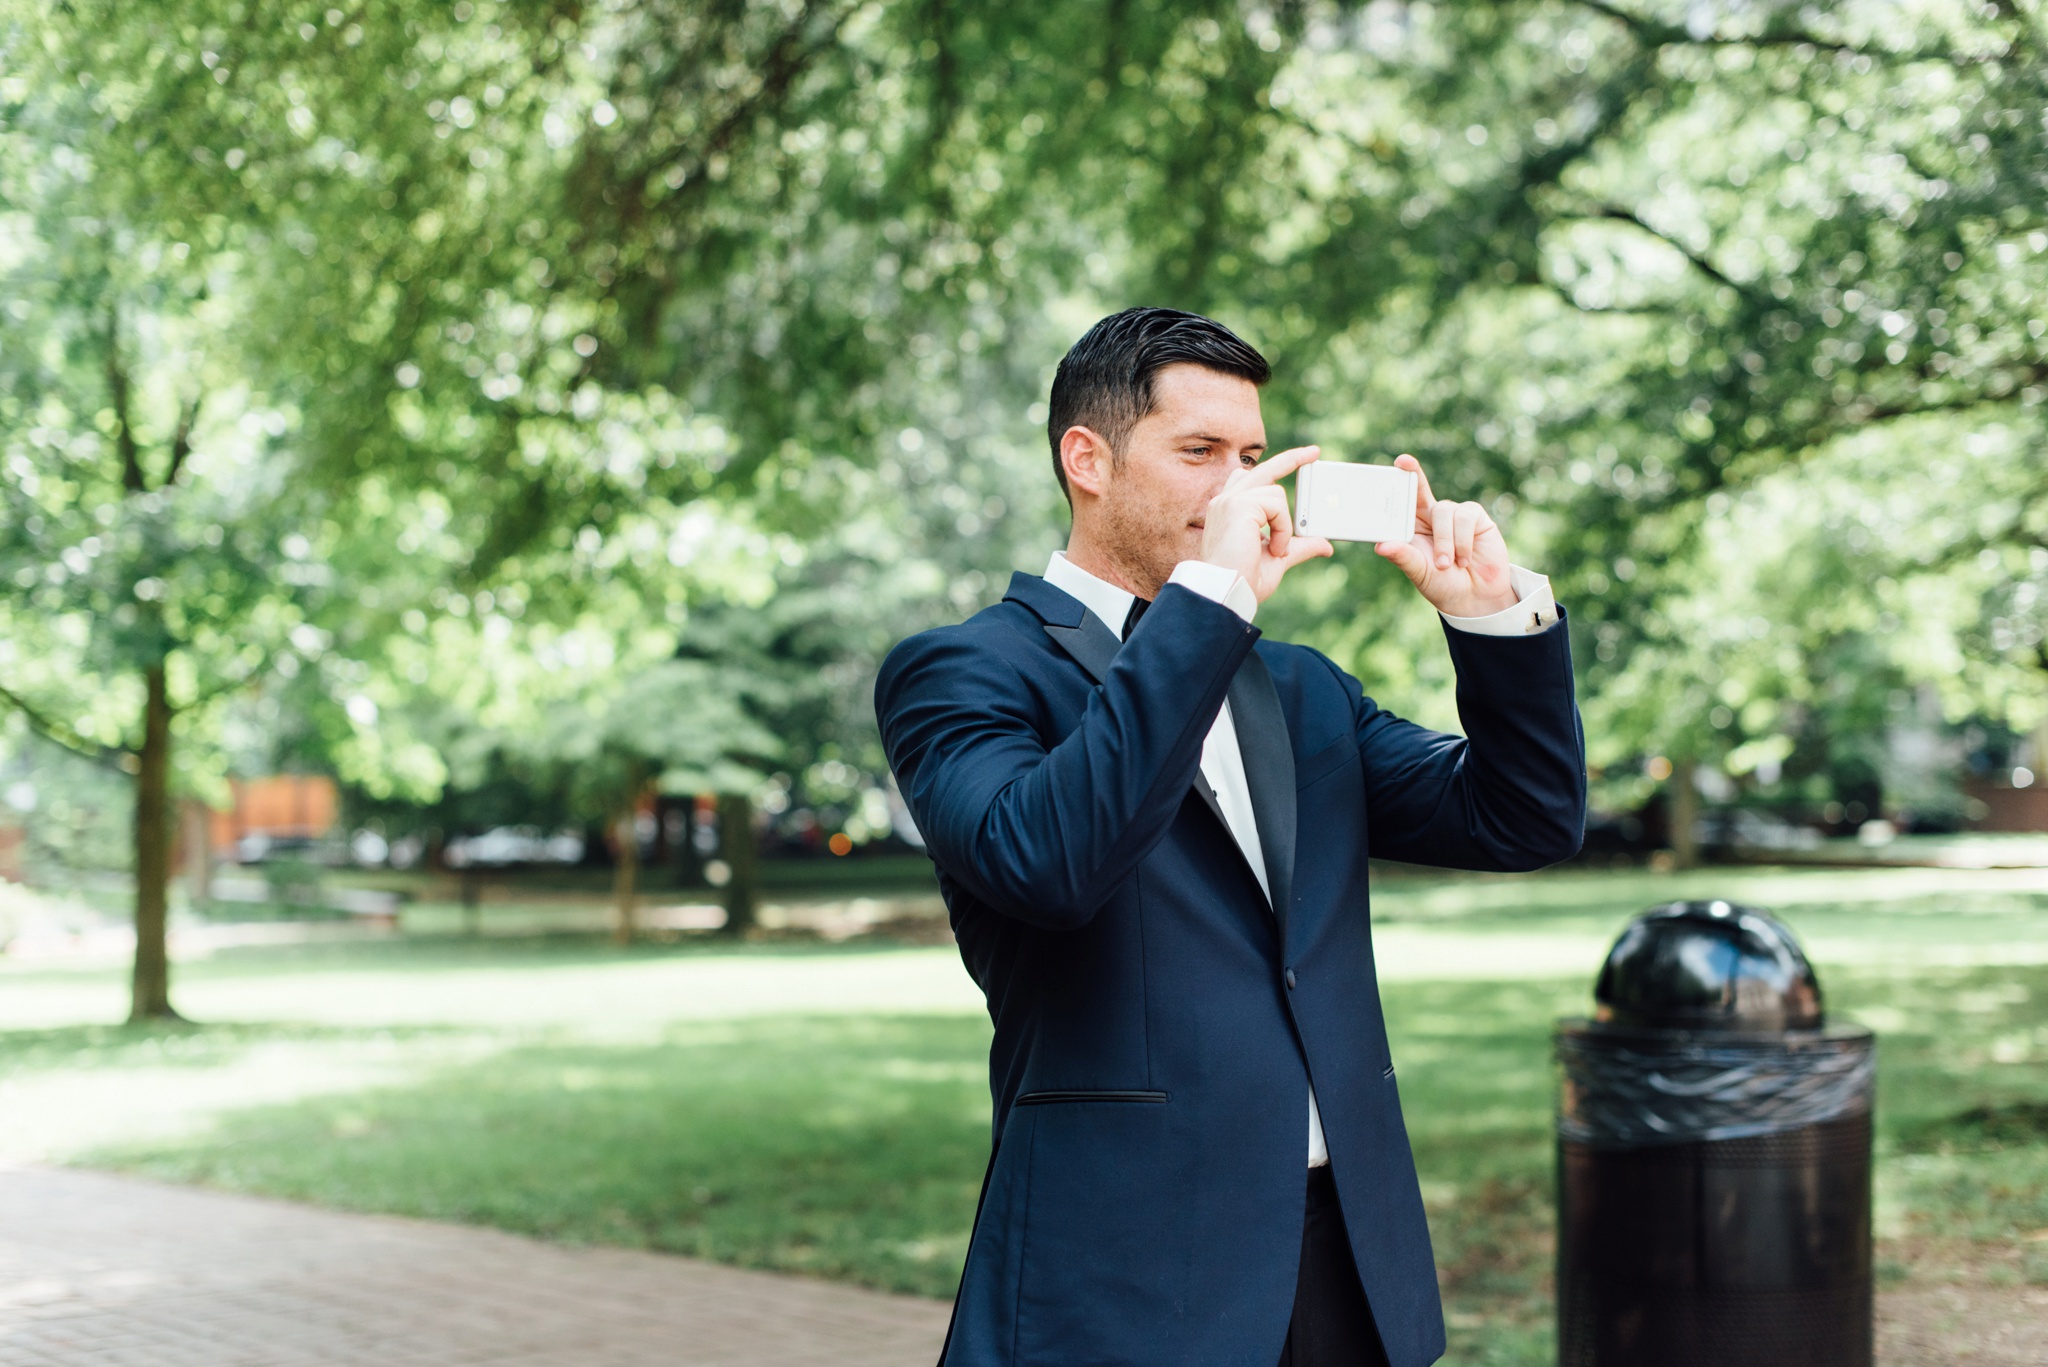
(625, 873)
(198, 852)
(1685, 813)
(736, 847)
(151, 999)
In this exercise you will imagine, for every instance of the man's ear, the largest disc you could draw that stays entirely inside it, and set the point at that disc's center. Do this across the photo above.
(1087, 459)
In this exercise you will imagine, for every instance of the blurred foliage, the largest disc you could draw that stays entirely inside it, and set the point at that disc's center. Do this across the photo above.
(403, 377)
(74, 814)
(145, 525)
(1736, 308)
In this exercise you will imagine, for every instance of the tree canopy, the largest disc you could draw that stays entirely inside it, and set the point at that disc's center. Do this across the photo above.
(349, 348)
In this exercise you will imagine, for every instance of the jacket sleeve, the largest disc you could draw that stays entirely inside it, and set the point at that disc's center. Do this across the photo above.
(1046, 831)
(1510, 795)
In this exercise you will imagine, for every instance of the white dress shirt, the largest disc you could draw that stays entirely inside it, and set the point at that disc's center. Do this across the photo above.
(1222, 761)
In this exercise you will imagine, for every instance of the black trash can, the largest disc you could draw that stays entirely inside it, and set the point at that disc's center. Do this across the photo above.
(1713, 1155)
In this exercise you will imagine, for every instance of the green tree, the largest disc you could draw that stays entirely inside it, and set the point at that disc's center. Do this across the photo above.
(677, 727)
(173, 534)
(149, 549)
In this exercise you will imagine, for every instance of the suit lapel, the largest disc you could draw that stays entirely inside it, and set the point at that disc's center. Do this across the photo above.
(1092, 644)
(1269, 774)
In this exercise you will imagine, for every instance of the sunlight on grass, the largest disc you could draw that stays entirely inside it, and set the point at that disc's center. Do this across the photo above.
(67, 1092)
(509, 985)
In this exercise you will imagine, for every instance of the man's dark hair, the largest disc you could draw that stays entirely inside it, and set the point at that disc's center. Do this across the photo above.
(1105, 380)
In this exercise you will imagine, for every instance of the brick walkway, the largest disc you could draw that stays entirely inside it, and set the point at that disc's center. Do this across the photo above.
(100, 1271)
(97, 1271)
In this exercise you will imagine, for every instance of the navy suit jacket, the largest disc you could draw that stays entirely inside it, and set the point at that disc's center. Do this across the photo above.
(1157, 1024)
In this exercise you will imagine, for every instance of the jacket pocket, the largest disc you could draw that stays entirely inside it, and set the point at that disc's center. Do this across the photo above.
(1057, 1097)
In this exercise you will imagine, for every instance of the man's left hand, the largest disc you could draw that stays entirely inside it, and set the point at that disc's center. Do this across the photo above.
(1457, 558)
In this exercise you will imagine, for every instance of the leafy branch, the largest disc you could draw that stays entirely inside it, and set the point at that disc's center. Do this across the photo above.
(1661, 33)
(52, 729)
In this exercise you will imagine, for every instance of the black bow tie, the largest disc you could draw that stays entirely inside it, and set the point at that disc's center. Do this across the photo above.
(1138, 606)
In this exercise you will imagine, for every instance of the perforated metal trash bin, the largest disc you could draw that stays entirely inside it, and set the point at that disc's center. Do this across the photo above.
(1713, 1155)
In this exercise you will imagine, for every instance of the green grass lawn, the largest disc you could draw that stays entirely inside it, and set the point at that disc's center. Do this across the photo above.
(621, 1098)
(847, 1147)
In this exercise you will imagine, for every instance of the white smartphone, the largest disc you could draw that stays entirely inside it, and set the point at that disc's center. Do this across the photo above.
(1339, 501)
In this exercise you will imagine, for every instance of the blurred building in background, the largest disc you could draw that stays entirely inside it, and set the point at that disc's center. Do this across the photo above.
(273, 815)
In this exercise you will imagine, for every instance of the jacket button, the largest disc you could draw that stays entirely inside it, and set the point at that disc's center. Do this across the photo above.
(1289, 975)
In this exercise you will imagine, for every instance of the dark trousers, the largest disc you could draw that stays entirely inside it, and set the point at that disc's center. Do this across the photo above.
(1332, 1324)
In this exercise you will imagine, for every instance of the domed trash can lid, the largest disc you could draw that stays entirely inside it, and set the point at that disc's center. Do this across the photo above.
(1708, 966)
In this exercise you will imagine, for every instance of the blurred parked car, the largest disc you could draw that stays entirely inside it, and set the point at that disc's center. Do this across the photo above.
(1737, 828)
(513, 845)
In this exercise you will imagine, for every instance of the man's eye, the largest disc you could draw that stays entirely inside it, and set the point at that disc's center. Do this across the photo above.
(1247, 461)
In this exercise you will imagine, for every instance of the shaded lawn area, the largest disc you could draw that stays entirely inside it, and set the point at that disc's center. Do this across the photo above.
(852, 1145)
(847, 1147)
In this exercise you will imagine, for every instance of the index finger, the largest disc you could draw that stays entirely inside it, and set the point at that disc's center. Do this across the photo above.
(1275, 468)
(1424, 499)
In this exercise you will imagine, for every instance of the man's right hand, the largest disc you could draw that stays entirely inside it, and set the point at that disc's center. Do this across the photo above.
(1248, 529)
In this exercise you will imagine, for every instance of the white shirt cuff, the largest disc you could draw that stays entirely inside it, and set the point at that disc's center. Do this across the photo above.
(1536, 611)
(1220, 585)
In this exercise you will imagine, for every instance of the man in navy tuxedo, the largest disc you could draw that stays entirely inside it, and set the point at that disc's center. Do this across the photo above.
(1152, 829)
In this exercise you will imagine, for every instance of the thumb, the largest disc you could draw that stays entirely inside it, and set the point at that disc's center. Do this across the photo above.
(1407, 559)
(1304, 548)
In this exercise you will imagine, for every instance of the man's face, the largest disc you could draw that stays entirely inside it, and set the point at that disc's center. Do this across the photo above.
(1204, 426)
